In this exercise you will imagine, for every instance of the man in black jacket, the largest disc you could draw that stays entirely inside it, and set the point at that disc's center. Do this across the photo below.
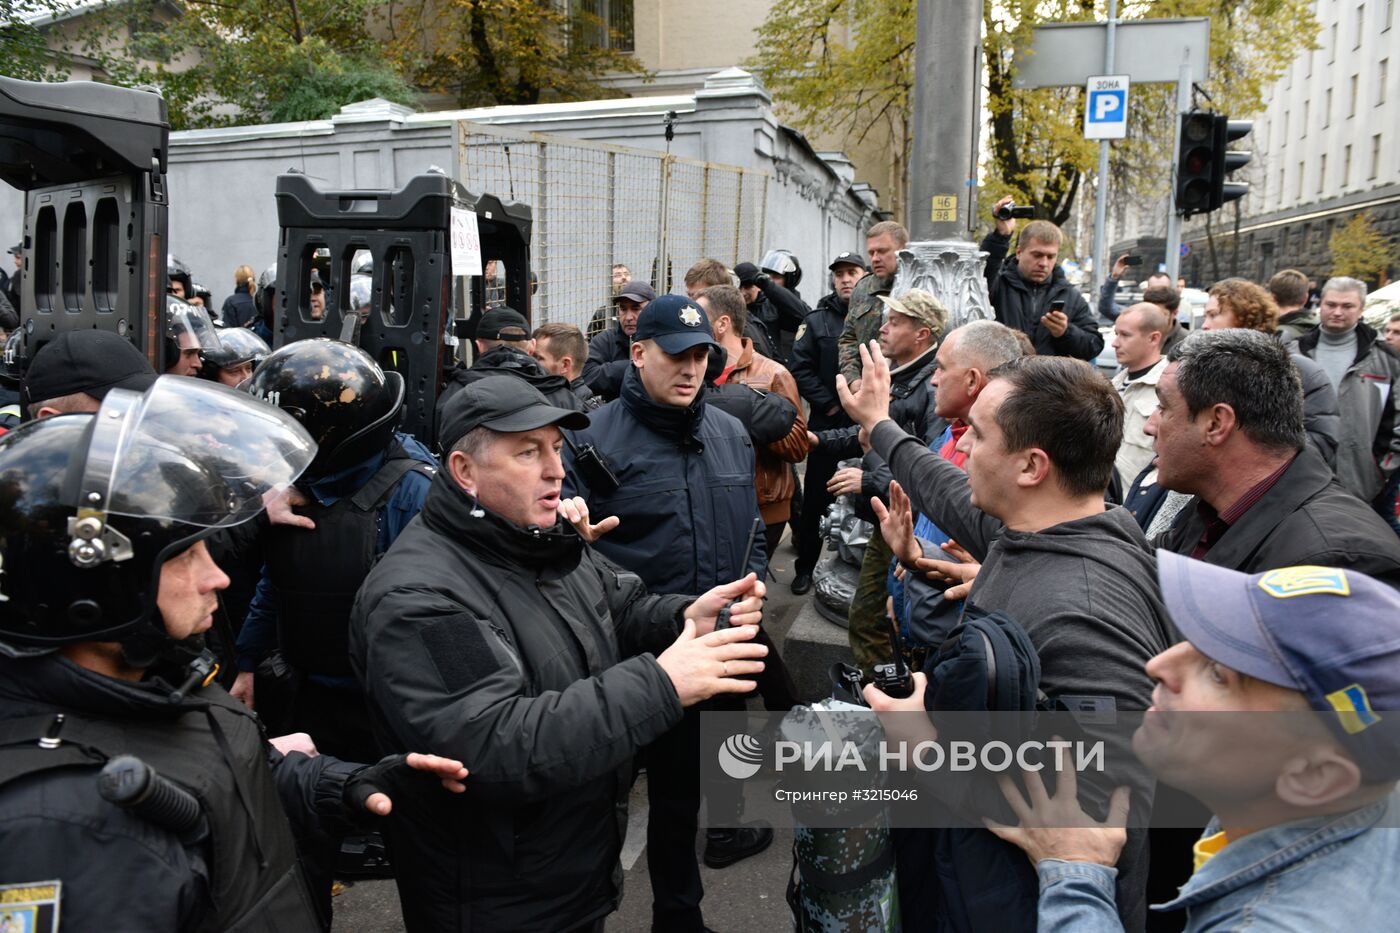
(493, 629)
(101, 656)
(609, 352)
(1229, 431)
(1025, 288)
(683, 487)
(1080, 578)
(771, 300)
(504, 347)
(814, 366)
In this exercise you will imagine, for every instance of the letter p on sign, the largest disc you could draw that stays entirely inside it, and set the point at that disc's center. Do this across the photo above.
(1106, 107)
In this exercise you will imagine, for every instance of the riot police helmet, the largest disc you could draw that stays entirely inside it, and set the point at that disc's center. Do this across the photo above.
(95, 504)
(187, 328)
(784, 263)
(239, 349)
(348, 404)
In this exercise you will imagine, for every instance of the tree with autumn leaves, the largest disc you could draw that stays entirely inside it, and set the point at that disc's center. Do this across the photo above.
(846, 67)
(220, 62)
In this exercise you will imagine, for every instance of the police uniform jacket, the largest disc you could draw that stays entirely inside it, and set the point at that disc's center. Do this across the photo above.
(120, 871)
(814, 359)
(685, 490)
(528, 656)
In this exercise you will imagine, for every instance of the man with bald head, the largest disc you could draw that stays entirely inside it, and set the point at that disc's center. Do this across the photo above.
(1137, 339)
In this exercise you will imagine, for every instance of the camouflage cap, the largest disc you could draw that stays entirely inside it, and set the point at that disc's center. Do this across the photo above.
(920, 305)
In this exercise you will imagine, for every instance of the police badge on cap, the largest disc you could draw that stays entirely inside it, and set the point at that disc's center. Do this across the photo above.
(676, 324)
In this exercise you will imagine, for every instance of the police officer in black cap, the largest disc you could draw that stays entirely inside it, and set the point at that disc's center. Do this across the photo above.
(814, 366)
(503, 347)
(107, 587)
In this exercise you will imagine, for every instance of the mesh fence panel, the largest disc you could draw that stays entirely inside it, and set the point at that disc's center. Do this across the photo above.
(596, 205)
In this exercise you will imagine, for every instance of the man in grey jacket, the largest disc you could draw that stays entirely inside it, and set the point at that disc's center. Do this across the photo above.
(1364, 371)
(1080, 578)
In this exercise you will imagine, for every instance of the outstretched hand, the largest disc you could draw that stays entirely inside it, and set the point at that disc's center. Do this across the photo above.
(365, 787)
(897, 524)
(869, 404)
(1056, 827)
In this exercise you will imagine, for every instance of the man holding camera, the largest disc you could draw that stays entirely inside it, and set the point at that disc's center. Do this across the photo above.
(1030, 292)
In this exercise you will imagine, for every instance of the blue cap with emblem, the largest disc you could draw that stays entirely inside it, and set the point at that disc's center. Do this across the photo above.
(676, 324)
(1290, 627)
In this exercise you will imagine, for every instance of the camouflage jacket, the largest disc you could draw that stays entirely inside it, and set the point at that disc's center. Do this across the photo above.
(862, 322)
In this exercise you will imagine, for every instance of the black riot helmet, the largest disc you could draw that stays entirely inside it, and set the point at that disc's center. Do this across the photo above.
(187, 327)
(783, 263)
(348, 404)
(237, 345)
(177, 271)
(94, 505)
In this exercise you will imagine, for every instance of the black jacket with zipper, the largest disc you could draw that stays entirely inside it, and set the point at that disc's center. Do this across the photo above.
(530, 657)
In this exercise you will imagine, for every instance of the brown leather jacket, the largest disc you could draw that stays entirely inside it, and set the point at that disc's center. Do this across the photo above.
(773, 476)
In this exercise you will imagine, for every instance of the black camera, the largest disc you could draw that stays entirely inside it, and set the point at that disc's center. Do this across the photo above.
(893, 678)
(1011, 211)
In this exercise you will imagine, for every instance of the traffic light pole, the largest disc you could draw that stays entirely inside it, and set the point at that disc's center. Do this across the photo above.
(1183, 105)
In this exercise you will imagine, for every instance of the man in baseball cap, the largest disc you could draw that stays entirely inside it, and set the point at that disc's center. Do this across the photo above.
(74, 371)
(491, 627)
(1304, 832)
(683, 490)
(608, 354)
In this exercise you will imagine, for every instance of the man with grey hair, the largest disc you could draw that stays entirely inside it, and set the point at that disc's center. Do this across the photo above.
(1364, 370)
(493, 628)
(1228, 430)
(925, 604)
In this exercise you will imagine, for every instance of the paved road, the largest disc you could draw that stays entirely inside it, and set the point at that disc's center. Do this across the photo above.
(749, 896)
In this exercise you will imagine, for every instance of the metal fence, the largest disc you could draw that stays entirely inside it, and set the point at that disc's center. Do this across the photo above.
(596, 205)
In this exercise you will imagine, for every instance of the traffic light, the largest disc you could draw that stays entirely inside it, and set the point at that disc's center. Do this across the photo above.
(1205, 159)
(1195, 164)
(1229, 160)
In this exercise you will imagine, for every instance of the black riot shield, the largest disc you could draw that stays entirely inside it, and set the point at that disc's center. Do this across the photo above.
(91, 159)
(375, 267)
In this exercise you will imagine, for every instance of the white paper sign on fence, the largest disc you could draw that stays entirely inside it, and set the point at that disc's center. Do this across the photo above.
(466, 243)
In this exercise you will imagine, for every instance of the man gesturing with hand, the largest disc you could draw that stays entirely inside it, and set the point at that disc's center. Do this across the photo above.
(493, 633)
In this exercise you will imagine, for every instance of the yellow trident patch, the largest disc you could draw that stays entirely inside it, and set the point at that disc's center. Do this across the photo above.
(1288, 582)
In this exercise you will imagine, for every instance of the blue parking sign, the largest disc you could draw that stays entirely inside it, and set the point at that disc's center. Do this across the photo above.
(1106, 107)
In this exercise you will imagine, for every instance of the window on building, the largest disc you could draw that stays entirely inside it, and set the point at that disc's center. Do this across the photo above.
(1382, 79)
(1321, 173)
(1346, 166)
(1299, 196)
(1375, 157)
(1281, 194)
(1332, 44)
(603, 24)
(1387, 15)
(1285, 128)
(1360, 25)
(1326, 108)
(1307, 105)
(1355, 91)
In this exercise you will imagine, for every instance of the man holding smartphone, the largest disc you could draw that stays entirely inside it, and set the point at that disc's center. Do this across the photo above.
(1030, 292)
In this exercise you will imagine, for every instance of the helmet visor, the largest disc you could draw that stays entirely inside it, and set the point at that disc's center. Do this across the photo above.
(190, 326)
(779, 261)
(191, 452)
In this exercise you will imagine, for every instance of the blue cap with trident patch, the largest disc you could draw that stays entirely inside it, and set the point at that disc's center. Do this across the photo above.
(1331, 634)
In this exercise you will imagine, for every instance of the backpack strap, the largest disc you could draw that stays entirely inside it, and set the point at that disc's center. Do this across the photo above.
(373, 495)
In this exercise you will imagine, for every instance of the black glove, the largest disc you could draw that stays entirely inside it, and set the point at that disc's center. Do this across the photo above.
(380, 778)
(747, 272)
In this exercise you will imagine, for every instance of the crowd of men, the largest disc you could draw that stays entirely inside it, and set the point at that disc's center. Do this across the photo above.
(548, 598)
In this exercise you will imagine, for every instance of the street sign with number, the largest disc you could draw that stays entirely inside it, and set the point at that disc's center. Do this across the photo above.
(1106, 107)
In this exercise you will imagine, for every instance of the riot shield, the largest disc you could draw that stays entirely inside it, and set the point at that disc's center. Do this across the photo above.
(375, 267)
(91, 159)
